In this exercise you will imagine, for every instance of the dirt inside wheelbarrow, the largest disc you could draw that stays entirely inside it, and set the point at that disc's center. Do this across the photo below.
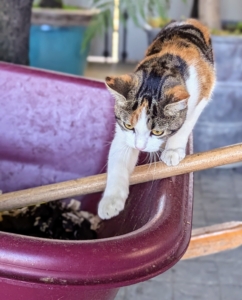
(53, 220)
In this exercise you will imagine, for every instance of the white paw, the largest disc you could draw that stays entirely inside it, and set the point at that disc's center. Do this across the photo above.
(172, 157)
(110, 206)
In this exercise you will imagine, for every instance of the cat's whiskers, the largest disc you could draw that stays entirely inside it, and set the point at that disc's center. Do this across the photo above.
(104, 167)
(158, 155)
(146, 159)
(151, 159)
(108, 143)
(153, 155)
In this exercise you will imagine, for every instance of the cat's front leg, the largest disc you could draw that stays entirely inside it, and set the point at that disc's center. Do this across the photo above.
(175, 149)
(173, 153)
(121, 162)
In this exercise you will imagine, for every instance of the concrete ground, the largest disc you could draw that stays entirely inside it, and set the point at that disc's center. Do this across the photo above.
(217, 199)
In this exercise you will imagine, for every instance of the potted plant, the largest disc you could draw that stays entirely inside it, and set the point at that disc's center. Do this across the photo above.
(55, 28)
(56, 36)
(156, 20)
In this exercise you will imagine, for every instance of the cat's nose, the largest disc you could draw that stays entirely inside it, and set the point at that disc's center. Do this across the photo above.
(140, 143)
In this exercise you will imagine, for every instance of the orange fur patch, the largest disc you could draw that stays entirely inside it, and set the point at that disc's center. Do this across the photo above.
(126, 78)
(110, 81)
(201, 27)
(179, 93)
(136, 114)
(192, 56)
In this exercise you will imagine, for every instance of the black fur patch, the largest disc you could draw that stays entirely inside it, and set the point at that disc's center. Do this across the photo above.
(156, 72)
(154, 111)
(135, 106)
(189, 33)
(118, 85)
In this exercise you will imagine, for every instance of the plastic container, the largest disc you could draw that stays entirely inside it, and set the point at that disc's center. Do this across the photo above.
(221, 122)
(58, 48)
(54, 128)
(228, 55)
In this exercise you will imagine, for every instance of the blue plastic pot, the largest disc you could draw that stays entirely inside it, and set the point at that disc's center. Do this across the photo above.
(58, 48)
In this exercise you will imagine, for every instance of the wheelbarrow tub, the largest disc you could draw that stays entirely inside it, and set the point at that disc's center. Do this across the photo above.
(53, 128)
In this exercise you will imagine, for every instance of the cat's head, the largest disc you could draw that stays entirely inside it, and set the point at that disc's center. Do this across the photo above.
(147, 115)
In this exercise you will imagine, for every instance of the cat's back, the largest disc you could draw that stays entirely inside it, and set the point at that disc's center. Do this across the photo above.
(182, 51)
(188, 39)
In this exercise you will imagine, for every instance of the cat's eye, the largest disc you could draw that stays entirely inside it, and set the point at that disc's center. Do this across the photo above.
(128, 126)
(157, 132)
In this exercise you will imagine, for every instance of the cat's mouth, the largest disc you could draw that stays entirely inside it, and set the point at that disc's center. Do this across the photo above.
(148, 149)
(140, 148)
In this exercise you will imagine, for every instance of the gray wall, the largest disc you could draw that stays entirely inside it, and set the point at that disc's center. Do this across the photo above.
(231, 10)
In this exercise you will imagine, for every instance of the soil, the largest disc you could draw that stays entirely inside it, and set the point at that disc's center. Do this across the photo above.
(53, 220)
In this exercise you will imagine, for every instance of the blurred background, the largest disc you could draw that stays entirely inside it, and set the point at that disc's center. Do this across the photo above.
(97, 38)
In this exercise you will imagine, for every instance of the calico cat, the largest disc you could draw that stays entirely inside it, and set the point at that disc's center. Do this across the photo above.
(157, 106)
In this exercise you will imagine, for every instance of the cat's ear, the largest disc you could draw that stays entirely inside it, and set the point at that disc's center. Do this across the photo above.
(179, 93)
(180, 97)
(120, 86)
(173, 108)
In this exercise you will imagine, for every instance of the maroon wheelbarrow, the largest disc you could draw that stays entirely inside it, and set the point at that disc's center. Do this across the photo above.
(55, 128)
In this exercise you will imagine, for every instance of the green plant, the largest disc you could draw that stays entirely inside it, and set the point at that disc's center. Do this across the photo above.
(66, 7)
(226, 32)
(139, 11)
(51, 3)
(231, 29)
(239, 26)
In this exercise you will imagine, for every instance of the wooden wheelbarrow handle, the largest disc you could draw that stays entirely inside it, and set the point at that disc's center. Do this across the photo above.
(144, 173)
(214, 239)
